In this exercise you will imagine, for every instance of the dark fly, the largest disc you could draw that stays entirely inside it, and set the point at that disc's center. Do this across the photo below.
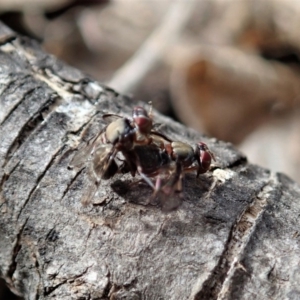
(167, 161)
(121, 135)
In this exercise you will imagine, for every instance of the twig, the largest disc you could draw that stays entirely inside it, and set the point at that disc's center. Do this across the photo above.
(146, 57)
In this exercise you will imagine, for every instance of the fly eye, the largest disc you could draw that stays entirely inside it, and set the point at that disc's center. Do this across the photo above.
(202, 146)
(139, 111)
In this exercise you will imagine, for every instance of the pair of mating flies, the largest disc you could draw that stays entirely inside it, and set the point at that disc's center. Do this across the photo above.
(144, 151)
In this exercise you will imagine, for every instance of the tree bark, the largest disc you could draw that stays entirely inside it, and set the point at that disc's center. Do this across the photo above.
(235, 236)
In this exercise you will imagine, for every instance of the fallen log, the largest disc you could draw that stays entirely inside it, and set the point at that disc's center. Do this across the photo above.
(235, 236)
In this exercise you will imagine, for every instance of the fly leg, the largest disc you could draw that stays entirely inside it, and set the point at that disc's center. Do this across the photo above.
(176, 180)
(157, 189)
(172, 190)
(145, 177)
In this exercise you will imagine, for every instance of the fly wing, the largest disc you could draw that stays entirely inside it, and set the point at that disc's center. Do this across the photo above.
(108, 118)
(101, 166)
(171, 196)
(104, 165)
(160, 136)
(83, 154)
(96, 170)
(81, 157)
(90, 189)
(170, 203)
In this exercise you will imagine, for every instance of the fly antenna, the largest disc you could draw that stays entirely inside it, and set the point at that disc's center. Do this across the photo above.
(150, 109)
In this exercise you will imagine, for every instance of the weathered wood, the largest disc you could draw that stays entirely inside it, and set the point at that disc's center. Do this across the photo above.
(235, 236)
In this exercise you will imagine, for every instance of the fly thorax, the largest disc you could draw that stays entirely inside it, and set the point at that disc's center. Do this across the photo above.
(116, 130)
(182, 152)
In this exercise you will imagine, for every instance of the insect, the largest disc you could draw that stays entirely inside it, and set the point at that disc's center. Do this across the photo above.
(121, 135)
(188, 159)
(143, 150)
(185, 159)
(171, 159)
(186, 156)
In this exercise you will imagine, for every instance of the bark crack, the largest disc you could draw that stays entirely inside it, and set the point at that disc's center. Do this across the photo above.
(26, 94)
(27, 129)
(218, 284)
(10, 89)
(4, 178)
(16, 249)
(39, 179)
(71, 183)
(241, 161)
(85, 124)
(50, 289)
(56, 85)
